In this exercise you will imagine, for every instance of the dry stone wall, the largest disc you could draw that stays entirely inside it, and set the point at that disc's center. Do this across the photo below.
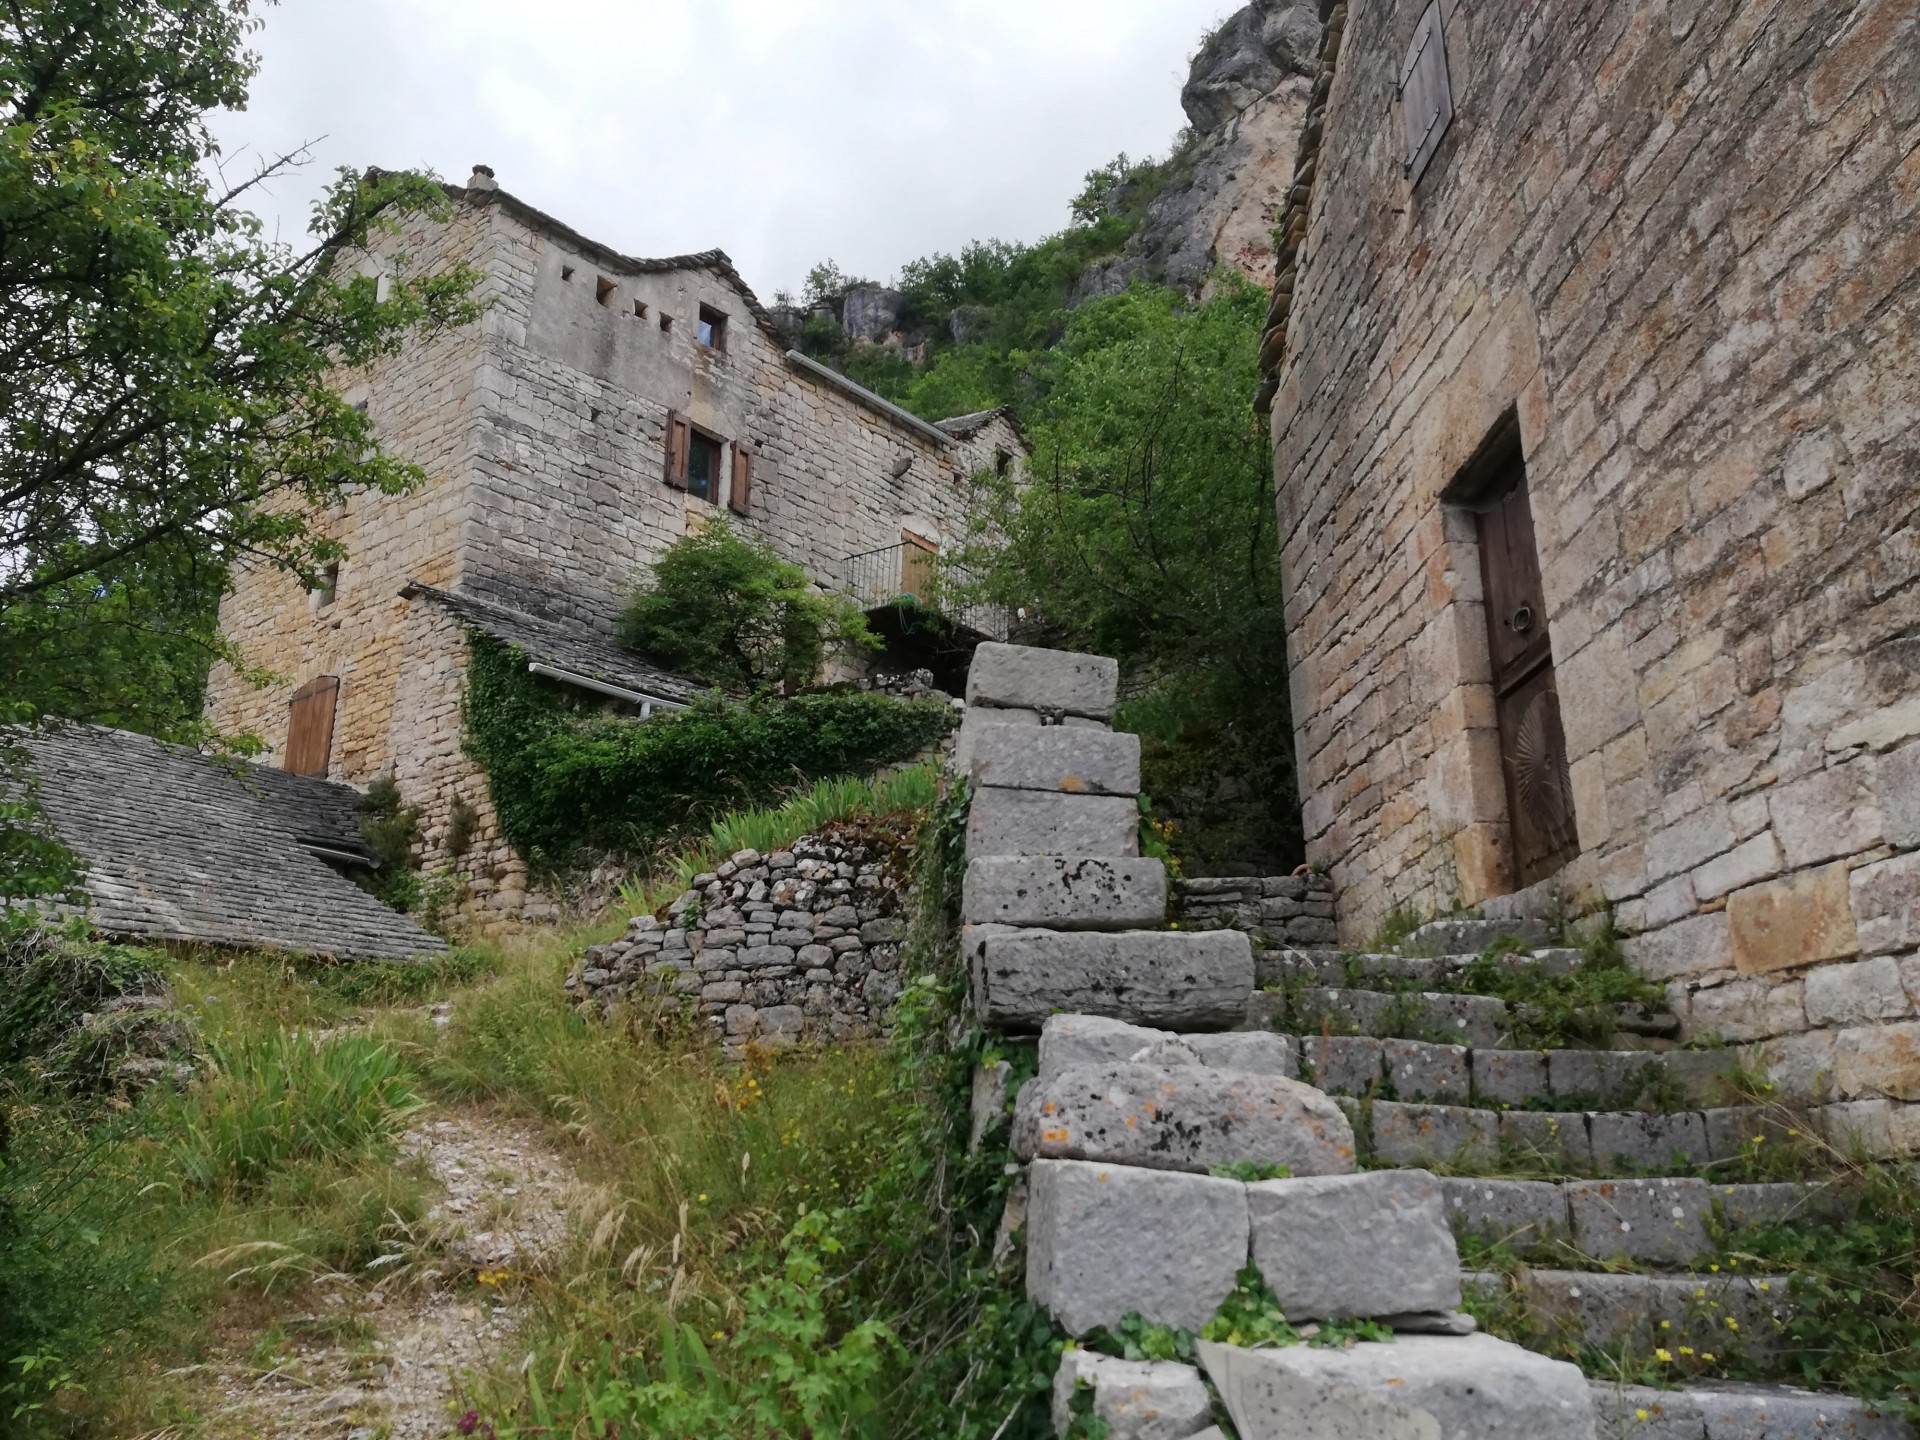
(1273, 911)
(1676, 243)
(798, 946)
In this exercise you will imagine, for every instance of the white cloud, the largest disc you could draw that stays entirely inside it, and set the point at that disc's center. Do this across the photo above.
(782, 131)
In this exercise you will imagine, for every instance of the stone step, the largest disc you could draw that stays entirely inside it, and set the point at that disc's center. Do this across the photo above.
(1472, 937)
(1499, 1078)
(1559, 1311)
(1104, 1241)
(1065, 759)
(1427, 1387)
(1598, 1142)
(1439, 1016)
(1663, 1222)
(1042, 822)
(1064, 682)
(1064, 892)
(1290, 965)
(1165, 978)
(1728, 1411)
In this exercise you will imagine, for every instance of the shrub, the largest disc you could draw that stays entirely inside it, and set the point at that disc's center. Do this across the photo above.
(564, 783)
(49, 981)
(288, 1097)
(727, 610)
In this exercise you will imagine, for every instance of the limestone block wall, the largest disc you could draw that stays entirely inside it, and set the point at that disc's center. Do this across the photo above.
(1678, 242)
(418, 402)
(1275, 911)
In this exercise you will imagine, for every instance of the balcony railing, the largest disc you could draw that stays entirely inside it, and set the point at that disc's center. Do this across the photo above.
(906, 573)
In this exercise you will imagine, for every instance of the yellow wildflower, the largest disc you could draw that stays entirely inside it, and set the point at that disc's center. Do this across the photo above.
(1665, 1357)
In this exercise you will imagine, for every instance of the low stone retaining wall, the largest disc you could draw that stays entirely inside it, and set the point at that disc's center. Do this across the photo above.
(802, 945)
(1275, 910)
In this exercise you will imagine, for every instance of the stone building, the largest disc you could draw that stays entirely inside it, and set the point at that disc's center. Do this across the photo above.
(602, 408)
(1594, 368)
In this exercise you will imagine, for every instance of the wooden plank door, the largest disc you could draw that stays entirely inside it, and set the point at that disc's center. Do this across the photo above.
(1533, 746)
(916, 564)
(310, 727)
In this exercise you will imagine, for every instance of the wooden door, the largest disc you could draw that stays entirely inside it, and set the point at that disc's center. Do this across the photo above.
(310, 727)
(1533, 747)
(916, 564)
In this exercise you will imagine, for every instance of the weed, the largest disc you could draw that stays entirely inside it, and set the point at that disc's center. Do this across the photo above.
(1251, 1171)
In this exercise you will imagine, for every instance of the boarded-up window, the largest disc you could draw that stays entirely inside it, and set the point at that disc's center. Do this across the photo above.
(679, 441)
(1426, 94)
(917, 556)
(740, 495)
(310, 727)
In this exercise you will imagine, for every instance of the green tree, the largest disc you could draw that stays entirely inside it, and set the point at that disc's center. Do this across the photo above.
(728, 610)
(1146, 531)
(166, 405)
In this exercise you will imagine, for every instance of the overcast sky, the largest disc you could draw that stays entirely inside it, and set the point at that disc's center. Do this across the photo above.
(781, 131)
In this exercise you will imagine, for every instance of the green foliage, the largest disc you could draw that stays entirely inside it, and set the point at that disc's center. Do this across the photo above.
(1570, 1010)
(390, 827)
(1250, 1315)
(1251, 1171)
(563, 782)
(1137, 1338)
(50, 979)
(273, 1100)
(1145, 530)
(726, 609)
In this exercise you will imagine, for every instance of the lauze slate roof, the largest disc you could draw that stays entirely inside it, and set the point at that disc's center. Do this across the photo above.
(179, 846)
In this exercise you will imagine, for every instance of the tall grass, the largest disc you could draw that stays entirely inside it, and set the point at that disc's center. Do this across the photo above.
(275, 1099)
(908, 790)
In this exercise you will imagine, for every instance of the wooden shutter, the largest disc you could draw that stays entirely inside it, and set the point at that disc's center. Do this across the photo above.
(917, 555)
(310, 727)
(740, 494)
(1426, 93)
(679, 442)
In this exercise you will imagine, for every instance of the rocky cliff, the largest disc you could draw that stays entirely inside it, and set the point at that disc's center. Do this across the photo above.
(1246, 101)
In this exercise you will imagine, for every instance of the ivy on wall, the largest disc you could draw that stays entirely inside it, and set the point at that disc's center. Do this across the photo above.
(569, 781)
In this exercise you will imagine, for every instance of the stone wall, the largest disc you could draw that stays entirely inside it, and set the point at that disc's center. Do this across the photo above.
(800, 946)
(1275, 911)
(1678, 242)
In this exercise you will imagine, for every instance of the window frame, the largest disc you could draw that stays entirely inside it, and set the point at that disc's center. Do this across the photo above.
(714, 323)
(696, 439)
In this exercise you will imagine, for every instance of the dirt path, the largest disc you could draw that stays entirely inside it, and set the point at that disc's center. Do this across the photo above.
(384, 1361)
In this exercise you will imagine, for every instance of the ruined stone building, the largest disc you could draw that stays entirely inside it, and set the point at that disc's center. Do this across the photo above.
(602, 408)
(1594, 369)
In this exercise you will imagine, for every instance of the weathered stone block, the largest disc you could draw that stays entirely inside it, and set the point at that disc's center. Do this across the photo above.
(1344, 1064)
(1023, 677)
(1898, 778)
(1601, 1079)
(1103, 1240)
(1863, 992)
(1185, 1117)
(1604, 1309)
(1057, 758)
(1034, 822)
(1072, 1040)
(1632, 1140)
(1885, 899)
(1138, 1399)
(1421, 1387)
(1436, 1074)
(1434, 1134)
(1345, 1246)
(1876, 1060)
(1174, 979)
(1248, 1051)
(1509, 1077)
(989, 1110)
(1505, 1212)
(1801, 920)
(1739, 1412)
(1540, 1137)
(1064, 892)
(1659, 1221)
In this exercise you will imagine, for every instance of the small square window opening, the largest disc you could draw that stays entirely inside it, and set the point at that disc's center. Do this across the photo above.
(328, 587)
(639, 309)
(566, 272)
(666, 323)
(604, 290)
(703, 468)
(713, 328)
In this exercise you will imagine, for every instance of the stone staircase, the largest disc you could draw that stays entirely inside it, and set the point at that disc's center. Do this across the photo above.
(1590, 1188)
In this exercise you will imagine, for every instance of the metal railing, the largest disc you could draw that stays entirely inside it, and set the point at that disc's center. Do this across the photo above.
(907, 574)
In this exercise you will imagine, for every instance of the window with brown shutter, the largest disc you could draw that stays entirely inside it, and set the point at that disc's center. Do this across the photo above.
(1426, 92)
(679, 441)
(740, 496)
(310, 727)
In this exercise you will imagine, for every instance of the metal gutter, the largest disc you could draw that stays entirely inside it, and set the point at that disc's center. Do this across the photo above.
(647, 703)
(868, 398)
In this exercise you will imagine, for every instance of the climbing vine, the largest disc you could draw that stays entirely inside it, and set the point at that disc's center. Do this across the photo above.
(567, 780)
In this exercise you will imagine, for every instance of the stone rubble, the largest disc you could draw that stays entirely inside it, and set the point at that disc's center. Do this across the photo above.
(799, 946)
